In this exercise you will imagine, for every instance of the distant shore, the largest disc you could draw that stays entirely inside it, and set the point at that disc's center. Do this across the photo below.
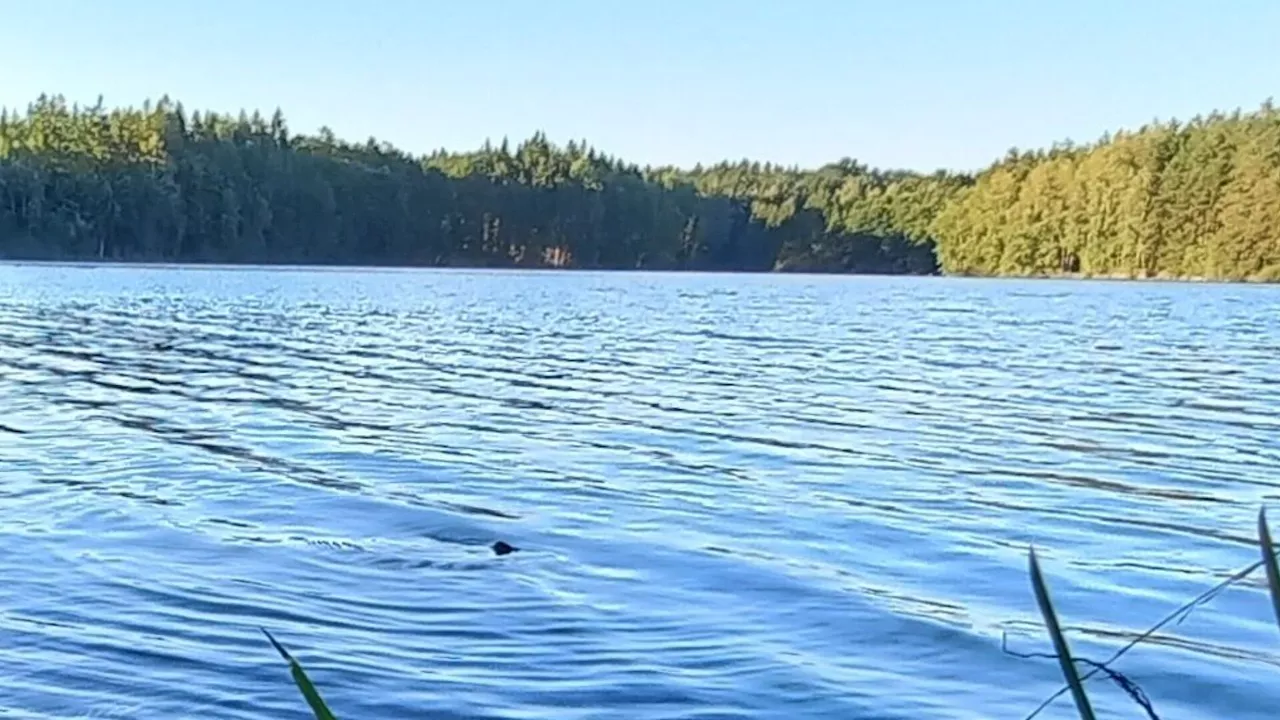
(330, 267)
(1191, 201)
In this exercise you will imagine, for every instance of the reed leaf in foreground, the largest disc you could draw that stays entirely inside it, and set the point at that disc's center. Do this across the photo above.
(1060, 647)
(300, 678)
(1269, 561)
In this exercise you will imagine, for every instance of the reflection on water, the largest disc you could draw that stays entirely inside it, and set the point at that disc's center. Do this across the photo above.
(736, 497)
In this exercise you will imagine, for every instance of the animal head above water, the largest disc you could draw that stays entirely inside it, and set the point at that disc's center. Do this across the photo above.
(502, 548)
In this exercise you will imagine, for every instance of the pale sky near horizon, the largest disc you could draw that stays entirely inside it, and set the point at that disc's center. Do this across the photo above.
(917, 84)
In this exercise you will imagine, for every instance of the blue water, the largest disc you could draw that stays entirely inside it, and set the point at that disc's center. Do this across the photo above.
(736, 496)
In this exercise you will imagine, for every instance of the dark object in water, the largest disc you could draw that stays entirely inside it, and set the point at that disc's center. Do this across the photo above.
(502, 548)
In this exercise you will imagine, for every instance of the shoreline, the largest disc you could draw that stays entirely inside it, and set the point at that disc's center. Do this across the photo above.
(182, 188)
(338, 267)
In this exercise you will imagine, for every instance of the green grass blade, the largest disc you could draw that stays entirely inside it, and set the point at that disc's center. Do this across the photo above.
(1059, 641)
(1269, 561)
(300, 678)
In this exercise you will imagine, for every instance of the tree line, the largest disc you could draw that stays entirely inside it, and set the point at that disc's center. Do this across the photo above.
(1199, 199)
(158, 183)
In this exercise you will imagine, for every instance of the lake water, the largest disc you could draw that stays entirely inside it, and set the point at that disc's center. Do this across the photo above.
(735, 496)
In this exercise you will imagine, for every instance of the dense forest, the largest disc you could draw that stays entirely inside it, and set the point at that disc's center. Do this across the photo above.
(1193, 200)
(1200, 199)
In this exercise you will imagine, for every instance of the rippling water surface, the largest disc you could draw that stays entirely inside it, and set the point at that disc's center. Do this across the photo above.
(736, 497)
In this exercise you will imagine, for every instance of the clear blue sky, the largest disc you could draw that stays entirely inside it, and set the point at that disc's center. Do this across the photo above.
(895, 83)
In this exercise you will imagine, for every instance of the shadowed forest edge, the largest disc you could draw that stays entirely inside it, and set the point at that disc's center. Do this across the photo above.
(1199, 199)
